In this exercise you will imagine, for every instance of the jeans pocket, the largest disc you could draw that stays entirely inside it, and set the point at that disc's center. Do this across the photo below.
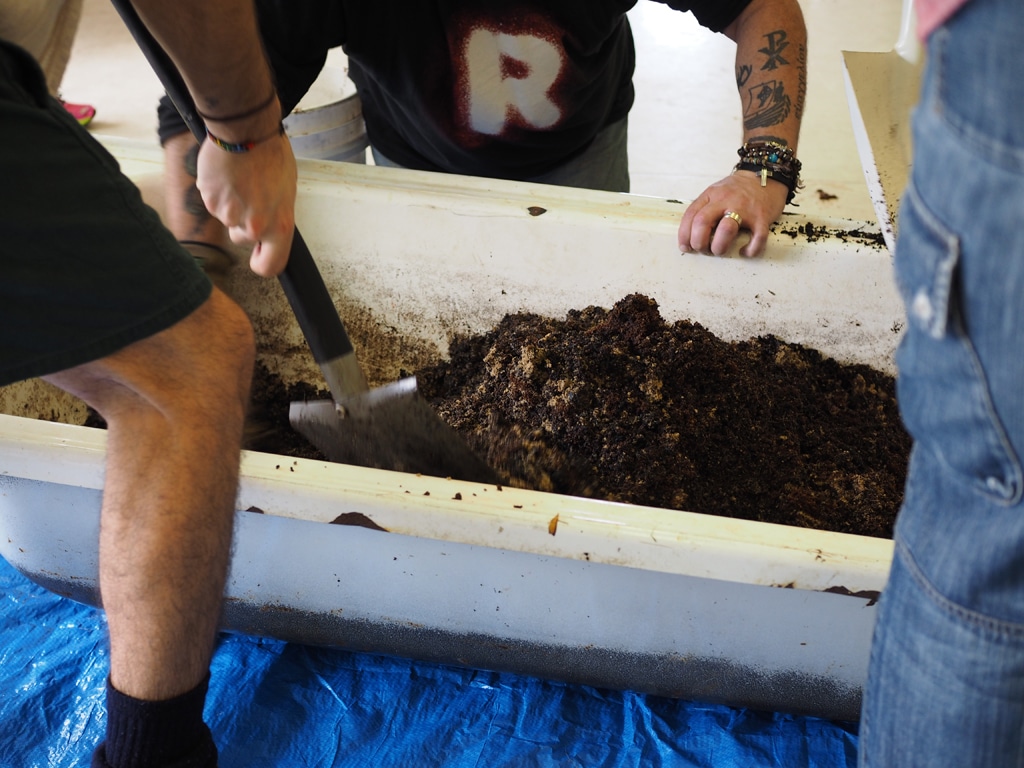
(943, 391)
(925, 268)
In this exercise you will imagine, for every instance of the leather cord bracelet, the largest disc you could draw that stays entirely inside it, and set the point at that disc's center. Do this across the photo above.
(771, 160)
(214, 260)
(241, 115)
(192, 246)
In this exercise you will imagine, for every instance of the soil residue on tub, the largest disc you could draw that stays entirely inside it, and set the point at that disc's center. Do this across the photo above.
(619, 404)
(810, 233)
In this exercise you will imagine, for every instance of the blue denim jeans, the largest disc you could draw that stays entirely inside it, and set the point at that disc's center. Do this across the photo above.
(946, 678)
(603, 165)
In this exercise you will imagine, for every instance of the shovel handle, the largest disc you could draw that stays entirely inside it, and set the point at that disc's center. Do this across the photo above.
(313, 306)
(301, 280)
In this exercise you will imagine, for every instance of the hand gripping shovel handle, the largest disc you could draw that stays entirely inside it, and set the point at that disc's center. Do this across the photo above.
(415, 438)
(301, 280)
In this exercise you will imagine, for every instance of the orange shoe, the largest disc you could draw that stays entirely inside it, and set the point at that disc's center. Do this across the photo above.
(83, 113)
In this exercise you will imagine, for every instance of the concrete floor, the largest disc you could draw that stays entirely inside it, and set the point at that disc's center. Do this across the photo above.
(684, 128)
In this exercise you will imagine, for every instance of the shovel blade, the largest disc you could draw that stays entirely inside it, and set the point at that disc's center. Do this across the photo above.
(389, 427)
(882, 89)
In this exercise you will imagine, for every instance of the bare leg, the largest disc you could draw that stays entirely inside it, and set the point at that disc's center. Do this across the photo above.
(174, 405)
(54, 58)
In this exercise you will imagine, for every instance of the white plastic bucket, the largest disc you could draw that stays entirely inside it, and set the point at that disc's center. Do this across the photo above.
(328, 123)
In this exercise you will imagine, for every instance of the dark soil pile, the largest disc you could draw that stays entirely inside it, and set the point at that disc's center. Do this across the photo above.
(620, 405)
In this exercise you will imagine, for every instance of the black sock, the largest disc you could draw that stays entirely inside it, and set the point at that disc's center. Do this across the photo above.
(156, 734)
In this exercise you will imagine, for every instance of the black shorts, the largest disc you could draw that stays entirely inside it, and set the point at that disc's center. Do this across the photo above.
(86, 268)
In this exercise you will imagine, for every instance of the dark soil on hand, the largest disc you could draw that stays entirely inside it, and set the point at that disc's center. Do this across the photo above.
(620, 405)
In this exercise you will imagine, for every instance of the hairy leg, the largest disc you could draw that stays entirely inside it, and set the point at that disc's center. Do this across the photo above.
(174, 405)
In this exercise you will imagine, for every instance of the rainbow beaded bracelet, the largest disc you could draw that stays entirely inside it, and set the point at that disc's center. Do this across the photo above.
(242, 146)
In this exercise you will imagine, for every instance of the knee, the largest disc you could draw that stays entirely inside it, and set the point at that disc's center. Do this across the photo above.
(228, 345)
(204, 381)
(198, 370)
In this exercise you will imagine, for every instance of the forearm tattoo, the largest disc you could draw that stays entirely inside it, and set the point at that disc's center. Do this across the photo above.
(193, 202)
(765, 101)
(801, 91)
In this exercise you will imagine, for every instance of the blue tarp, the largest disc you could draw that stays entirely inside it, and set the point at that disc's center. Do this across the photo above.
(279, 704)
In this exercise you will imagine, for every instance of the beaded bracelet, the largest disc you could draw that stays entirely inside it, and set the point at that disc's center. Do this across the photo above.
(242, 146)
(773, 160)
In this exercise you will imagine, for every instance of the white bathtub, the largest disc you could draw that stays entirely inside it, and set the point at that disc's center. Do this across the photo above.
(667, 602)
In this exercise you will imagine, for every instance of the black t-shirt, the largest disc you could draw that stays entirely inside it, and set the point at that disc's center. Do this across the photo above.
(501, 89)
